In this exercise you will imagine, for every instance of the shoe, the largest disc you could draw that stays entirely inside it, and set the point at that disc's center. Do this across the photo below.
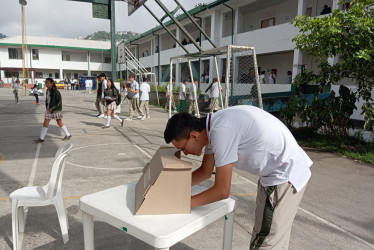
(122, 122)
(143, 118)
(104, 127)
(139, 117)
(128, 119)
(148, 116)
(38, 141)
(100, 116)
(66, 138)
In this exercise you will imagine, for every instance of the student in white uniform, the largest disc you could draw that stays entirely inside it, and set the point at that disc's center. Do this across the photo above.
(255, 141)
(144, 97)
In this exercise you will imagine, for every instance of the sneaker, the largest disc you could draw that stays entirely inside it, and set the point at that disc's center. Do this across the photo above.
(122, 122)
(100, 116)
(105, 127)
(66, 138)
(139, 117)
(38, 141)
(142, 119)
(148, 116)
(128, 119)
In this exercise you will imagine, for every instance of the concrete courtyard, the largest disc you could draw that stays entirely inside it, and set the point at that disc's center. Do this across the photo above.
(336, 211)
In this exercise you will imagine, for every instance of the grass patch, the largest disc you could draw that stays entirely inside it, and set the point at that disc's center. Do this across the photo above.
(352, 147)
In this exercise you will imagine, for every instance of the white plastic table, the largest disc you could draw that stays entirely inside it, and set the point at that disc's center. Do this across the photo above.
(115, 206)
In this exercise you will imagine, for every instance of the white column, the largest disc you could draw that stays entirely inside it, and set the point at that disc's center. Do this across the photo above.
(61, 73)
(297, 63)
(301, 7)
(216, 28)
(88, 63)
(297, 54)
(335, 4)
(178, 35)
(236, 23)
(177, 74)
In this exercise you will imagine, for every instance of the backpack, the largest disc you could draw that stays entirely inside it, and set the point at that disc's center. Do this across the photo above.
(118, 100)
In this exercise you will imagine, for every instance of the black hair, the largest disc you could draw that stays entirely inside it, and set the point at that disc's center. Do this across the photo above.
(181, 125)
(49, 79)
(145, 79)
(132, 76)
(112, 86)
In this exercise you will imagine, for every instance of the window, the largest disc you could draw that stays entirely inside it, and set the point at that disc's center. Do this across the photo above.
(10, 74)
(268, 22)
(15, 53)
(50, 75)
(227, 24)
(67, 57)
(39, 74)
(35, 54)
(107, 60)
(57, 75)
(75, 75)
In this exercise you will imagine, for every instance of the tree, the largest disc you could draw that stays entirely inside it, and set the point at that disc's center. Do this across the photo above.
(348, 34)
(2, 36)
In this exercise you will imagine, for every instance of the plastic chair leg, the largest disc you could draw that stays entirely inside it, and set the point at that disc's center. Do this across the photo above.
(15, 224)
(21, 219)
(61, 213)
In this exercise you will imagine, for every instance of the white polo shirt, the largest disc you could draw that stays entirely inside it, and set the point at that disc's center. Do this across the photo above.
(145, 88)
(181, 90)
(257, 142)
(215, 90)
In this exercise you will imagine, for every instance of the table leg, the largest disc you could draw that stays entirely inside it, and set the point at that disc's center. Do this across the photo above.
(88, 231)
(227, 233)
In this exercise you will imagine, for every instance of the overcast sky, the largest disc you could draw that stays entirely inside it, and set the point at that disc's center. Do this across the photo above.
(69, 19)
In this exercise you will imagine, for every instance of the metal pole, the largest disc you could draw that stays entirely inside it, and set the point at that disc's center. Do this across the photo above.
(257, 80)
(228, 65)
(163, 7)
(170, 86)
(194, 88)
(167, 30)
(113, 40)
(194, 22)
(219, 81)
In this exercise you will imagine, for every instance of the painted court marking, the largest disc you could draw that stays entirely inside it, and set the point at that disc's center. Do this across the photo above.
(321, 219)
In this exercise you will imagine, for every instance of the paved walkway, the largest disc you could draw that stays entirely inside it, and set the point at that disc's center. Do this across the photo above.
(336, 212)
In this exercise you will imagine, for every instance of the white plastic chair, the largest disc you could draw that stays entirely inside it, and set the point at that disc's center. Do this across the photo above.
(37, 196)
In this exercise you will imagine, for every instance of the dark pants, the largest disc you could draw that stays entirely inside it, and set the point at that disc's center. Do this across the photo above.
(37, 98)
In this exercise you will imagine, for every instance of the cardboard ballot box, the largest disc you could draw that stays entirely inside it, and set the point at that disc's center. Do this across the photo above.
(165, 185)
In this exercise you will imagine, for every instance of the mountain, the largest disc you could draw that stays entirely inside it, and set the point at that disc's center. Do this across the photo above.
(105, 36)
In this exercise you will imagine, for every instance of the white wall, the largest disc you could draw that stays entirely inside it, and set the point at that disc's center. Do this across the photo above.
(282, 62)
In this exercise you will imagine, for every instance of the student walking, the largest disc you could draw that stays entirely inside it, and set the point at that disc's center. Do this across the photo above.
(215, 94)
(192, 108)
(111, 94)
(134, 102)
(15, 90)
(53, 104)
(182, 106)
(144, 97)
(35, 90)
(169, 97)
(101, 86)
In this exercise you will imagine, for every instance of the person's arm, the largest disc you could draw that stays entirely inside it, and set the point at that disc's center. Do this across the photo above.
(220, 190)
(204, 171)
(136, 90)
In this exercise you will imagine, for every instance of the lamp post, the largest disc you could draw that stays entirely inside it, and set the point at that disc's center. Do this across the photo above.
(23, 3)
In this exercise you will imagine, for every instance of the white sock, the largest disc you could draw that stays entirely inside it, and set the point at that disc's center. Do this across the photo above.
(108, 120)
(119, 119)
(43, 132)
(65, 130)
